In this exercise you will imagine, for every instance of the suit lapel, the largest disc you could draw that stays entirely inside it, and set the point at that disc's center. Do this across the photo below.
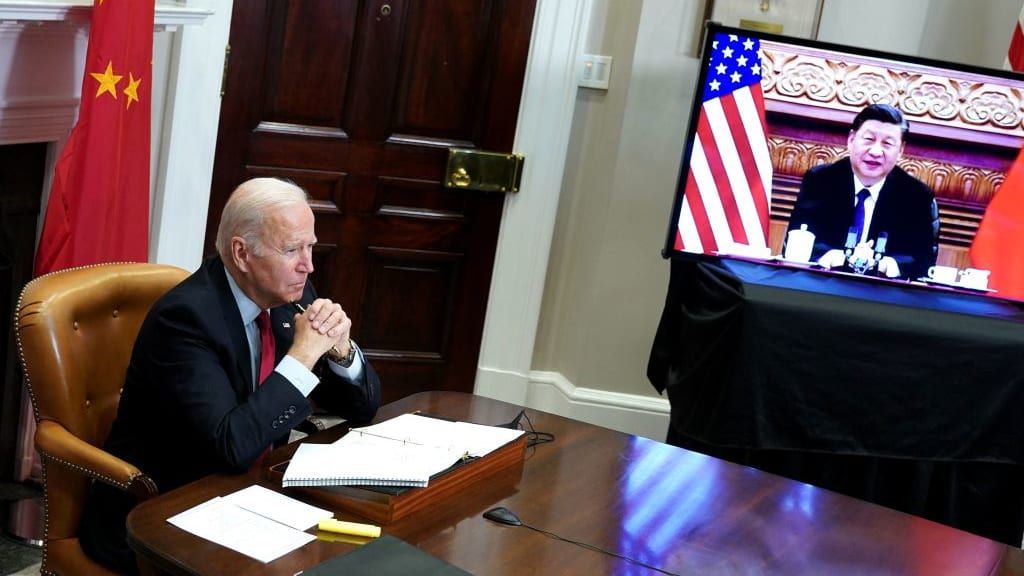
(233, 322)
(284, 332)
(846, 194)
(884, 204)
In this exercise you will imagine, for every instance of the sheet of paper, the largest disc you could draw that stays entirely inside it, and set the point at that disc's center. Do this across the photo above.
(369, 450)
(278, 507)
(456, 437)
(481, 440)
(236, 528)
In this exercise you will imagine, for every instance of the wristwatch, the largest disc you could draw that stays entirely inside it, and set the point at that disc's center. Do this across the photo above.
(344, 361)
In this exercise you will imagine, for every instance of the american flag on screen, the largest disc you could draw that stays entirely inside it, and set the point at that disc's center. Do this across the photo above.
(728, 185)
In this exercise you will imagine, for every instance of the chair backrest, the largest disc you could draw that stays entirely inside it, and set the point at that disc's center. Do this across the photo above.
(75, 331)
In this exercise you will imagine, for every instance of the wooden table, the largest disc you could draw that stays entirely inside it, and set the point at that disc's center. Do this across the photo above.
(682, 511)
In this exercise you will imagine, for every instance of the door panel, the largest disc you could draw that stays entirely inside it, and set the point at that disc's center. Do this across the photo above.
(357, 102)
(312, 45)
(440, 91)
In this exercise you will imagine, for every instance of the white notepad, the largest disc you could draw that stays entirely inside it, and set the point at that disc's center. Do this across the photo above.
(404, 451)
(358, 464)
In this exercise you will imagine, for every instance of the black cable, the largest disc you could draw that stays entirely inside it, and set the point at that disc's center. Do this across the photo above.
(532, 436)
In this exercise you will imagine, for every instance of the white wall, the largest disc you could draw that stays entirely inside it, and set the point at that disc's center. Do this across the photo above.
(606, 277)
(877, 24)
(184, 159)
(975, 33)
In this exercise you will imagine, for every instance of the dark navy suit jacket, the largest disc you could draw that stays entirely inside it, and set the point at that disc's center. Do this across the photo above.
(188, 408)
(905, 209)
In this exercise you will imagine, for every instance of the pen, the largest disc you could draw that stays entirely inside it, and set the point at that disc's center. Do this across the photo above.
(303, 311)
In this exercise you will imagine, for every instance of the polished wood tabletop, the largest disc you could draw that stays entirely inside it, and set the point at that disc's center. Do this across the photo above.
(680, 511)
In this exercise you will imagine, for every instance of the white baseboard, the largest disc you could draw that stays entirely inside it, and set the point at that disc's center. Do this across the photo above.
(645, 416)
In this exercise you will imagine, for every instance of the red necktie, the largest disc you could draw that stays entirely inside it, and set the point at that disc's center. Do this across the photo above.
(266, 346)
(266, 363)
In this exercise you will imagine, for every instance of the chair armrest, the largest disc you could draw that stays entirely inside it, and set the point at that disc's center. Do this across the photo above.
(57, 444)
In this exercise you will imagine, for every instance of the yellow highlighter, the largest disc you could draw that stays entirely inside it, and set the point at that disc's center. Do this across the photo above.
(353, 528)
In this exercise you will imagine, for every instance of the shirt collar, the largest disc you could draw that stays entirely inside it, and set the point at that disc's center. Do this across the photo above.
(246, 307)
(874, 189)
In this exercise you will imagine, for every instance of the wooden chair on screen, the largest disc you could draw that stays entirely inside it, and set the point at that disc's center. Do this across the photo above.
(75, 331)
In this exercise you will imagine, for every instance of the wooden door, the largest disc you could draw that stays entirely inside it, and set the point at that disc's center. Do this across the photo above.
(358, 103)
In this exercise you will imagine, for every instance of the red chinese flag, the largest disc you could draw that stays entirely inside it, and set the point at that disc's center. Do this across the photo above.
(999, 244)
(98, 209)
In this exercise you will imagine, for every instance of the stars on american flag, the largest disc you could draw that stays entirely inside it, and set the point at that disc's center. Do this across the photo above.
(734, 62)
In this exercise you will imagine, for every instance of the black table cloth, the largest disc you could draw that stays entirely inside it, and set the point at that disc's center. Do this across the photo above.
(899, 394)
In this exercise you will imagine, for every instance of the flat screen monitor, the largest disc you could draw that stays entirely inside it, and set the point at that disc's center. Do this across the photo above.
(848, 161)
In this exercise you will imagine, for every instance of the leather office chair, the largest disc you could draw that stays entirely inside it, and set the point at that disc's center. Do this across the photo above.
(75, 331)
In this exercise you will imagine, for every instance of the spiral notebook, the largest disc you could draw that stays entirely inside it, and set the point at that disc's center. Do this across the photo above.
(403, 451)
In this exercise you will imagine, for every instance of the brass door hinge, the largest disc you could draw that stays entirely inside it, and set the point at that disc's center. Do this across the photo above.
(224, 74)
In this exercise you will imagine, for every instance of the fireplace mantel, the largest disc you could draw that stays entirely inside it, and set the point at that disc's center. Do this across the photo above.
(52, 34)
(169, 15)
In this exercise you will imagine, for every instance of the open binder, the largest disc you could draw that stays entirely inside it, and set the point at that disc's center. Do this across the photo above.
(463, 454)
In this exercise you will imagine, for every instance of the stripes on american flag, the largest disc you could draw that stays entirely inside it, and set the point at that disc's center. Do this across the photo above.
(728, 184)
(1015, 55)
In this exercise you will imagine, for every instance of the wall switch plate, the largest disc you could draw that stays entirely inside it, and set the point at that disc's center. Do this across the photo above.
(595, 70)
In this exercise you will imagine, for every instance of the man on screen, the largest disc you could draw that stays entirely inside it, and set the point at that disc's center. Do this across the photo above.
(865, 197)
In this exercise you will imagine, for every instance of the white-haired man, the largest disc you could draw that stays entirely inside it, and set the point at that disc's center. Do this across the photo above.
(225, 365)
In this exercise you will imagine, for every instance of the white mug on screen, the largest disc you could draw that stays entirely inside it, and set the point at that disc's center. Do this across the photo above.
(799, 244)
(944, 274)
(974, 278)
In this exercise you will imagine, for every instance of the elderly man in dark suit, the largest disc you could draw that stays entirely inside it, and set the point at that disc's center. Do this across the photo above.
(225, 364)
(869, 193)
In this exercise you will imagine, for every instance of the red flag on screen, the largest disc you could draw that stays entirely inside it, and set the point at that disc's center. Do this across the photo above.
(997, 245)
(1015, 55)
(98, 210)
(728, 186)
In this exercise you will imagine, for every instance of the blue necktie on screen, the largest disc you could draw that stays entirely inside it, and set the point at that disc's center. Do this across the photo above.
(858, 213)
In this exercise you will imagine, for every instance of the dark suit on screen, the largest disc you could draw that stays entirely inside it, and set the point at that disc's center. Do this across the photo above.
(188, 408)
(905, 208)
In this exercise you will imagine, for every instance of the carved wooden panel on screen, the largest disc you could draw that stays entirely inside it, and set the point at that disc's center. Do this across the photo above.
(358, 103)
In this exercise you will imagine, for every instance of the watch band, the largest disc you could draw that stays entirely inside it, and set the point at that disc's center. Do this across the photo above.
(345, 362)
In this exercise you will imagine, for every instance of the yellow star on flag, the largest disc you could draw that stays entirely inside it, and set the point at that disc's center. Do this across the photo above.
(108, 81)
(132, 91)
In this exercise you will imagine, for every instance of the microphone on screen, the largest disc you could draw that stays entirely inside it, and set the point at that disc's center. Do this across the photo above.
(851, 243)
(883, 238)
(851, 239)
